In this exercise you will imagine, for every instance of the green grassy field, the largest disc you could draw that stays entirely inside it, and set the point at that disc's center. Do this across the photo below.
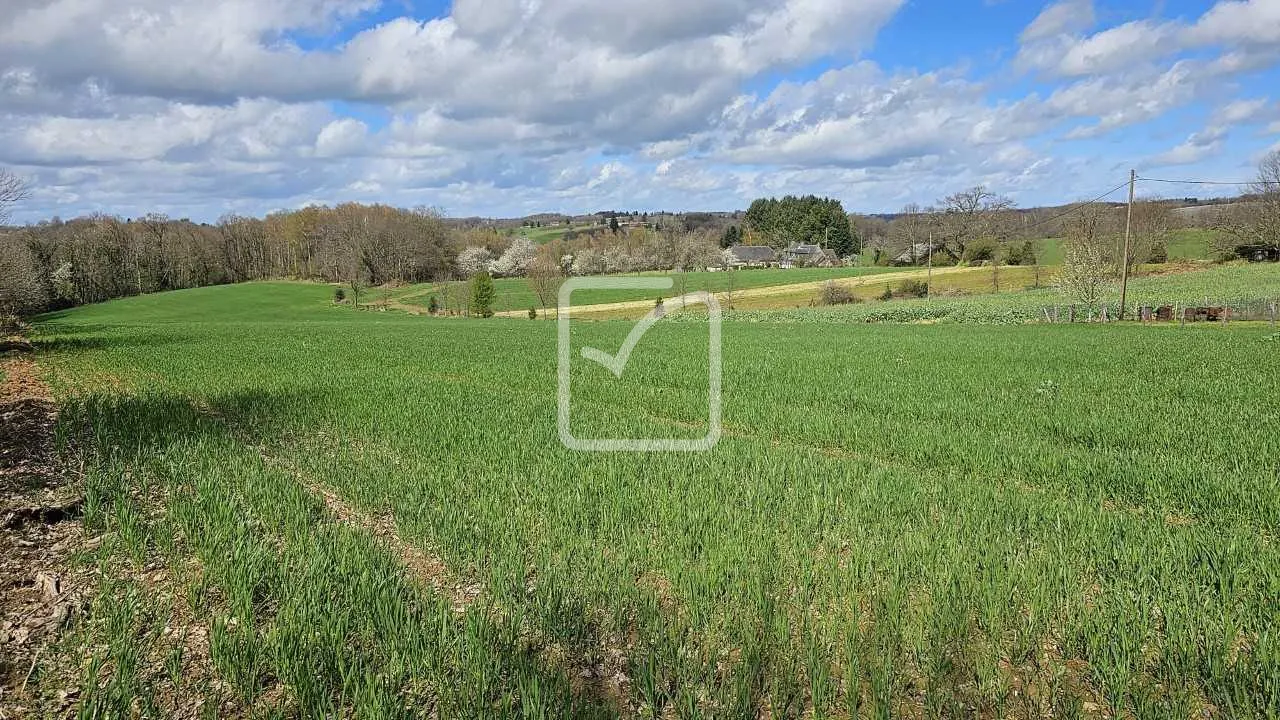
(515, 293)
(899, 520)
(544, 235)
(1237, 285)
(1191, 244)
(1183, 244)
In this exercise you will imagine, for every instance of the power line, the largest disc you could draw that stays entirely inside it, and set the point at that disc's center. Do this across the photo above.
(1197, 182)
(1078, 206)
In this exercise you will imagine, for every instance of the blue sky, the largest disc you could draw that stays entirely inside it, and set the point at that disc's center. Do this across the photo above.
(512, 107)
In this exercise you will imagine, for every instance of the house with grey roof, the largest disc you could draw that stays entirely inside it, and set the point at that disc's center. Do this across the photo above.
(748, 256)
(805, 255)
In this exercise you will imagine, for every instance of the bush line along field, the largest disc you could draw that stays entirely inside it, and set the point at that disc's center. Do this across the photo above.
(899, 520)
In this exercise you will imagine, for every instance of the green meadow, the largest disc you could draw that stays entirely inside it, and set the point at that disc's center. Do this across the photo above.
(368, 514)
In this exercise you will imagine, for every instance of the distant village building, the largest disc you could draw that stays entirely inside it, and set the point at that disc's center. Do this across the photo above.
(805, 255)
(751, 256)
(917, 253)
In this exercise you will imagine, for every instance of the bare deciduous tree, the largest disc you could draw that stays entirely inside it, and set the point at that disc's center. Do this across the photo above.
(544, 279)
(970, 215)
(869, 232)
(910, 233)
(449, 298)
(1253, 224)
(12, 191)
(1152, 226)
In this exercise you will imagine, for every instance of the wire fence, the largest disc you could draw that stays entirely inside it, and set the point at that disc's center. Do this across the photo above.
(1222, 310)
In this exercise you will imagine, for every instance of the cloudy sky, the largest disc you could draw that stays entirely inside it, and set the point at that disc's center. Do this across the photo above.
(198, 108)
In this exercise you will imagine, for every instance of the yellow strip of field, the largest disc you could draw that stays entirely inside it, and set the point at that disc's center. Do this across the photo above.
(783, 296)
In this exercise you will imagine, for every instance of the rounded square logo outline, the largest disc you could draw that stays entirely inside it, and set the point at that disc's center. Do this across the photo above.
(564, 386)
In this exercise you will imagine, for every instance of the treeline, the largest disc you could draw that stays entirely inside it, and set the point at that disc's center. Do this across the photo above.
(977, 225)
(790, 220)
(973, 225)
(59, 264)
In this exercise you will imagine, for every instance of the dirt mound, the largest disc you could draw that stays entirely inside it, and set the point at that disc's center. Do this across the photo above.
(27, 415)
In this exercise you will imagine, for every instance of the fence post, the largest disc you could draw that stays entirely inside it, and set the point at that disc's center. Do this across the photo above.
(1273, 314)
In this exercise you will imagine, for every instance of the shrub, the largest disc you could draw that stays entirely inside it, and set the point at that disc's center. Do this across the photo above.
(833, 294)
(913, 288)
(12, 325)
(433, 306)
(482, 294)
(887, 294)
(1159, 253)
(1024, 254)
(980, 250)
(533, 313)
(339, 295)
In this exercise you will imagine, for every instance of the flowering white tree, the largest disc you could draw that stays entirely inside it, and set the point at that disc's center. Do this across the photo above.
(588, 262)
(1084, 274)
(616, 260)
(64, 283)
(474, 260)
(21, 291)
(516, 260)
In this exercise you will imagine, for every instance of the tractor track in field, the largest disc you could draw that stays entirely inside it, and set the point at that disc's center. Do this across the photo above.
(589, 679)
(426, 567)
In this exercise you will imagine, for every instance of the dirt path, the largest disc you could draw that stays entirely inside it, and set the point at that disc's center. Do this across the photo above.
(760, 292)
(39, 531)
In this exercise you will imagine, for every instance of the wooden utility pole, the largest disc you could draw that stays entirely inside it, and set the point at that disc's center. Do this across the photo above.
(928, 283)
(1124, 260)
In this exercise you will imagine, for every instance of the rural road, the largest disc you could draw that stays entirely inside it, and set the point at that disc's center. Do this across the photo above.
(759, 292)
